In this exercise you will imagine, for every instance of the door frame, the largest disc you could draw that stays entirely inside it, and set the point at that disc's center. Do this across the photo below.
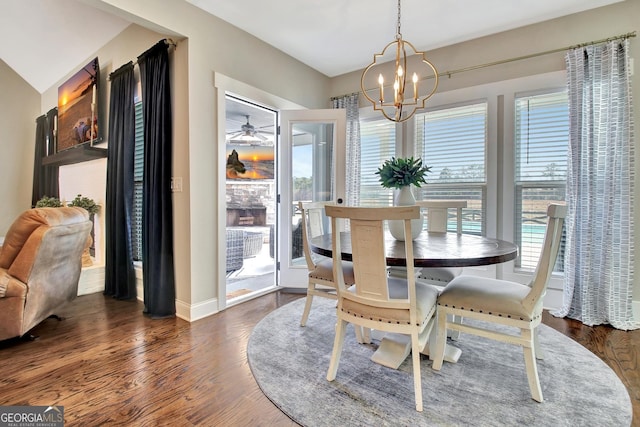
(226, 85)
(297, 276)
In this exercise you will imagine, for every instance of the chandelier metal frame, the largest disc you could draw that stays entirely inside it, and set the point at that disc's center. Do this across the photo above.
(394, 109)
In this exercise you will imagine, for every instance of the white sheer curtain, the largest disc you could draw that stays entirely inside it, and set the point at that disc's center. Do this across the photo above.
(599, 226)
(351, 104)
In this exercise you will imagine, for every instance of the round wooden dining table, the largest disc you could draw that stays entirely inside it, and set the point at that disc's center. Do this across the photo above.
(430, 249)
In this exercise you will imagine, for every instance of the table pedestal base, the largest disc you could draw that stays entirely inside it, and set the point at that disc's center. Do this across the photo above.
(392, 351)
(394, 348)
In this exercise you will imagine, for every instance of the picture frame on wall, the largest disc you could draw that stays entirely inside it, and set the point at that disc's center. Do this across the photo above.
(77, 121)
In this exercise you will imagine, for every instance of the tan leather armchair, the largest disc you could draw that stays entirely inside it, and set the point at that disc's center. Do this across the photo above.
(40, 265)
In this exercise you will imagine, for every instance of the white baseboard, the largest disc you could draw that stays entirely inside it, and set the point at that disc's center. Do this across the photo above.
(184, 310)
(91, 280)
(193, 312)
(139, 285)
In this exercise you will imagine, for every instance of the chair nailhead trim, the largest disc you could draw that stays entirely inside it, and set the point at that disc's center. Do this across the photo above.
(374, 319)
(491, 313)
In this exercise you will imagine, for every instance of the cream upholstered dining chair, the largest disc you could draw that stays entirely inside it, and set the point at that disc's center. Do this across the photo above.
(437, 220)
(438, 213)
(320, 267)
(504, 303)
(378, 301)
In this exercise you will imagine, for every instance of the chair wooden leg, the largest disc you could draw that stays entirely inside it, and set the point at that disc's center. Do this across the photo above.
(537, 350)
(441, 340)
(417, 380)
(307, 306)
(341, 328)
(454, 335)
(532, 367)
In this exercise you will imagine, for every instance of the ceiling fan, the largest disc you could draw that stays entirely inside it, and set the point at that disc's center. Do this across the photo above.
(248, 135)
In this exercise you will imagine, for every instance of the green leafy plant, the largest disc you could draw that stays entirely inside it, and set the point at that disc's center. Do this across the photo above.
(86, 203)
(399, 172)
(49, 202)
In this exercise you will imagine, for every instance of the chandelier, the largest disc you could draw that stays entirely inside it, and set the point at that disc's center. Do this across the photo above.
(403, 103)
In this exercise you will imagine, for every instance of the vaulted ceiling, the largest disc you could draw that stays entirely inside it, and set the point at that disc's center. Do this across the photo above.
(44, 40)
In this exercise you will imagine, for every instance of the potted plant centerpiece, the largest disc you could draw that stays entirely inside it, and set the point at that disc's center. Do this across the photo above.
(400, 174)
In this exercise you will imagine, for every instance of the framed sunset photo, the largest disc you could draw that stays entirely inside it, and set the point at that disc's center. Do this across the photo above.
(247, 162)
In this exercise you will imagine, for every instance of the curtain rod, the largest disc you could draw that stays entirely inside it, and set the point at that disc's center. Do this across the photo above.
(167, 41)
(520, 58)
(333, 98)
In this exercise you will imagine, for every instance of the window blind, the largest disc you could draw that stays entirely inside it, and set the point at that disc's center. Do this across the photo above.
(542, 135)
(138, 167)
(452, 141)
(541, 142)
(377, 139)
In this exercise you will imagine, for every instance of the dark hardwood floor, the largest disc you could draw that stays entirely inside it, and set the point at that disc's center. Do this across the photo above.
(107, 364)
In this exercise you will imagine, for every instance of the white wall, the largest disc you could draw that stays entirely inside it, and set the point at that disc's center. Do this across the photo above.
(19, 109)
(90, 180)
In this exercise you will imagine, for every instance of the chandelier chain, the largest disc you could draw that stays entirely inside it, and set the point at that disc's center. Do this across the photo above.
(398, 33)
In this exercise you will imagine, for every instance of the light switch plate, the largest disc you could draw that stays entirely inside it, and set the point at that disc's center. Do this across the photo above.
(176, 184)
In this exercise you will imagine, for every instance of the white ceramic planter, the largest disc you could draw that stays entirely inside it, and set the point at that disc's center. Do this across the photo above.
(404, 197)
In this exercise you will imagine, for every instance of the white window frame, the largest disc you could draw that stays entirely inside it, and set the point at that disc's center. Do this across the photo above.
(466, 96)
(538, 183)
(500, 161)
(482, 186)
(543, 83)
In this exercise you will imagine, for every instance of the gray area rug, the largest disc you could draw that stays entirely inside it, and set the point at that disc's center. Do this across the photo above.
(487, 387)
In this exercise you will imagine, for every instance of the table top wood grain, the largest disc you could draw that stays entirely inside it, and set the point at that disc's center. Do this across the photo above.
(432, 249)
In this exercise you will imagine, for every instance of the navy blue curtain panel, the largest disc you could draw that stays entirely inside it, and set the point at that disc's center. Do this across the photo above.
(120, 278)
(157, 210)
